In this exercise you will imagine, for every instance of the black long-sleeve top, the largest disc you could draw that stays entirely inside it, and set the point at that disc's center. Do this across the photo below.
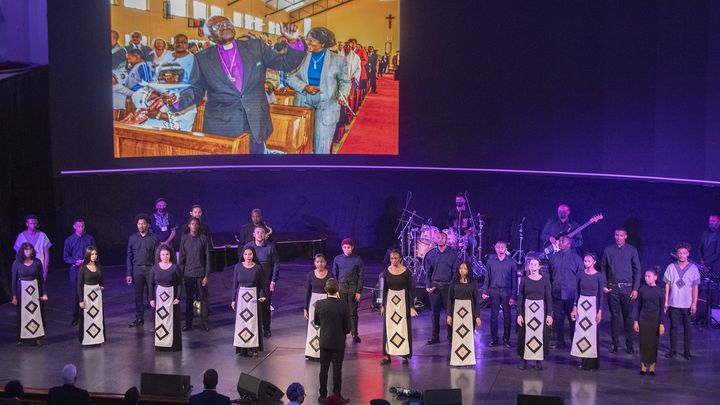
(501, 274)
(141, 251)
(269, 259)
(203, 229)
(709, 247)
(27, 273)
(553, 227)
(464, 291)
(247, 278)
(399, 282)
(441, 266)
(172, 277)
(621, 265)
(590, 285)
(314, 285)
(246, 232)
(74, 247)
(536, 290)
(349, 272)
(85, 276)
(564, 268)
(651, 303)
(194, 255)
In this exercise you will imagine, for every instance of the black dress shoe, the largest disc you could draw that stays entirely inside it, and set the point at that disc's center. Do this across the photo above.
(385, 361)
(136, 322)
(670, 355)
(357, 339)
(642, 372)
(433, 341)
(688, 356)
(405, 361)
(267, 334)
(613, 349)
(506, 343)
(493, 343)
(321, 400)
(186, 328)
(205, 327)
(74, 322)
(629, 350)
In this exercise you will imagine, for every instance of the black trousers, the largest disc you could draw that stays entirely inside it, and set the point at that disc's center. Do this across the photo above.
(373, 82)
(679, 316)
(348, 296)
(194, 290)
(499, 299)
(620, 310)
(141, 281)
(438, 301)
(326, 357)
(74, 270)
(562, 309)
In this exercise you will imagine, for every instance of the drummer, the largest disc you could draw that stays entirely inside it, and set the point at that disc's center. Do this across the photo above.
(459, 223)
(441, 264)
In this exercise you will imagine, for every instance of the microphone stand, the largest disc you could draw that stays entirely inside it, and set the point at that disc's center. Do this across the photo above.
(519, 255)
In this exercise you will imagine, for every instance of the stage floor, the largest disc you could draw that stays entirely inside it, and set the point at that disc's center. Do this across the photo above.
(116, 365)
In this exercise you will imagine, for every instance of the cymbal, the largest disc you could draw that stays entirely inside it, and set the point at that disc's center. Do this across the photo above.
(412, 213)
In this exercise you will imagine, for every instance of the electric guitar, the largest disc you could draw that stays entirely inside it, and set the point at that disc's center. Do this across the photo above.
(553, 248)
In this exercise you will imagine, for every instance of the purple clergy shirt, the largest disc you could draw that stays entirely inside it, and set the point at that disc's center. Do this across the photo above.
(232, 64)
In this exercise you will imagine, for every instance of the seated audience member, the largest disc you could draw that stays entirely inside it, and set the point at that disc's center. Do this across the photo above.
(209, 396)
(14, 392)
(295, 393)
(68, 393)
(132, 396)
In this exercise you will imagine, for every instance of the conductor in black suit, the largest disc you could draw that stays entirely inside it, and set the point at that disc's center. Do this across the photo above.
(233, 74)
(68, 393)
(209, 396)
(333, 317)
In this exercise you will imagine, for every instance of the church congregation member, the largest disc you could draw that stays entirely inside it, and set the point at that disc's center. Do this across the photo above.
(348, 270)
(333, 318)
(155, 56)
(534, 316)
(38, 239)
(682, 279)
(28, 296)
(180, 55)
(397, 310)
(267, 256)
(587, 313)
(195, 268)
(166, 287)
(314, 292)
(136, 43)
(463, 316)
(649, 320)
(236, 101)
(321, 84)
(138, 72)
(90, 285)
(621, 266)
(140, 258)
(119, 54)
(73, 254)
(248, 295)
(500, 286)
(151, 111)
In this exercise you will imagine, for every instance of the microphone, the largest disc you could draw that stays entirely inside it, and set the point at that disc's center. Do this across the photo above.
(405, 392)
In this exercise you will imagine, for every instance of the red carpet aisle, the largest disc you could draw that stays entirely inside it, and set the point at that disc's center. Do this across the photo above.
(375, 130)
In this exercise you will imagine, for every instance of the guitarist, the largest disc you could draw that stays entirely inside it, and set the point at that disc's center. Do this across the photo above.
(710, 244)
(556, 227)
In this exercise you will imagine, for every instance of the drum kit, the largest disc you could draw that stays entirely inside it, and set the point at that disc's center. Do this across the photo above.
(419, 236)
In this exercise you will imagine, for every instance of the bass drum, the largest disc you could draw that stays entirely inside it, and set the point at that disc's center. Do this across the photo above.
(427, 240)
